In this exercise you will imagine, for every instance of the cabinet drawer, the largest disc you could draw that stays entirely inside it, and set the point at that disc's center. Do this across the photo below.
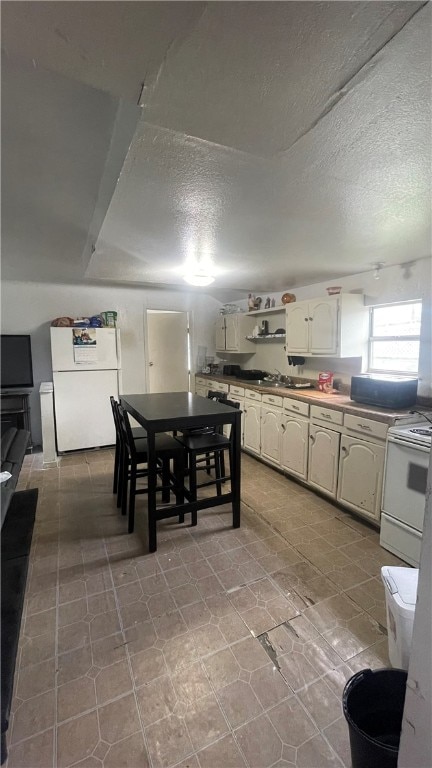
(210, 384)
(296, 406)
(200, 382)
(326, 414)
(272, 400)
(252, 395)
(219, 386)
(366, 426)
(239, 391)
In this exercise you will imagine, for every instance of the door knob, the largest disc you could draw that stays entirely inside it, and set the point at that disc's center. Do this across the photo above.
(150, 364)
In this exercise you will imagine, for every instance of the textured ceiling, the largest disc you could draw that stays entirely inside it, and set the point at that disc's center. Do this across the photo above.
(289, 140)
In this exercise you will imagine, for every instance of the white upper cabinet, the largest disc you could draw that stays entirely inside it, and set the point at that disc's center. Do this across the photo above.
(336, 326)
(323, 327)
(231, 331)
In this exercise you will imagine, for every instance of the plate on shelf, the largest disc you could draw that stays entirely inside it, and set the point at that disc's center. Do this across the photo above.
(288, 298)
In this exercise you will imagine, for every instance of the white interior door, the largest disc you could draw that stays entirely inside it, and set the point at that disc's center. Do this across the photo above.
(168, 351)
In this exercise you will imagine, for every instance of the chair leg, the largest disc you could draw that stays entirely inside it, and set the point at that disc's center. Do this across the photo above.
(166, 480)
(121, 478)
(132, 495)
(218, 471)
(222, 464)
(125, 483)
(116, 466)
(207, 460)
(179, 474)
(192, 477)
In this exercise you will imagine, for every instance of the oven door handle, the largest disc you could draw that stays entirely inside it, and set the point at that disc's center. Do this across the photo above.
(406, 444)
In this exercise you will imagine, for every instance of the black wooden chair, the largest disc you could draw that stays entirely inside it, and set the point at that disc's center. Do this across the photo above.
(137, 432)
(134, 453)
(205, 451)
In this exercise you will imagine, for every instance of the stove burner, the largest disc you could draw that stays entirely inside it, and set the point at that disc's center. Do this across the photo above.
(427, 432)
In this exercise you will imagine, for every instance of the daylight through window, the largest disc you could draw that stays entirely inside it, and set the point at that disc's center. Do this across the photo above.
(394, 338)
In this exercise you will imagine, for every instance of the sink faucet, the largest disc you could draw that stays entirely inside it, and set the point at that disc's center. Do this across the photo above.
(282, 378)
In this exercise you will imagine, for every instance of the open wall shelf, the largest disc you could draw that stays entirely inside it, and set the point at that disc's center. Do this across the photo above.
(268, 311)
(267, 337)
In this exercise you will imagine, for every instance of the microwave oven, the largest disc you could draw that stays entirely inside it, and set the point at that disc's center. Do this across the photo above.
(384, 391)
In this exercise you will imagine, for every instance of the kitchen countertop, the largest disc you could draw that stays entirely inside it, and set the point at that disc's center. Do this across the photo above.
(337, 401)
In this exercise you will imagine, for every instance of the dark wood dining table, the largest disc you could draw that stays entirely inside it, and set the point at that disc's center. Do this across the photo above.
(170, 411)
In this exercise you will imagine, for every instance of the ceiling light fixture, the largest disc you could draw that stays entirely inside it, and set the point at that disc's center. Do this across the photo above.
(198, 279)
(377, 269)
(199, 271)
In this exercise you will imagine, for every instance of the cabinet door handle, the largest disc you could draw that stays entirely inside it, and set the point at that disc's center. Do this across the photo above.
(364, 426)
(344, 450)
(283, 427)
(325, 415)
(311, 318)
(311, 438)
(306, 319)
(295, 407)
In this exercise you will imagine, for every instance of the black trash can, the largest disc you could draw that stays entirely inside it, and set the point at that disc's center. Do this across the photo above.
(373, 703)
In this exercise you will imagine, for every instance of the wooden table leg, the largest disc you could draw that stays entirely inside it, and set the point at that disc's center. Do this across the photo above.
(236, 469)
(152, 482)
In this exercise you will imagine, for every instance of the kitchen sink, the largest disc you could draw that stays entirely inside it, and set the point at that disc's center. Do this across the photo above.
(263, 383)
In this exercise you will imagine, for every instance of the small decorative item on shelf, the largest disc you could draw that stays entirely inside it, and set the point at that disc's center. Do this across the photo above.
(334, 290)
(273, 303)
(258, 302)
(251, 302)
(288, 298)
(267, 303)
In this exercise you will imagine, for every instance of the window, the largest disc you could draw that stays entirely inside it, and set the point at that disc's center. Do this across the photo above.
(394, 338)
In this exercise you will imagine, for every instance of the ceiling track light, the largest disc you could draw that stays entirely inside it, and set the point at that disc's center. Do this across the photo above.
(378, 265)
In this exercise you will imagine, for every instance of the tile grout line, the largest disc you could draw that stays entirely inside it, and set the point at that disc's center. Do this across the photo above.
(128, 657)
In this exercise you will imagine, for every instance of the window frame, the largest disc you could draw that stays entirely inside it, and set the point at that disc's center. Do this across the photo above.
(372, 339)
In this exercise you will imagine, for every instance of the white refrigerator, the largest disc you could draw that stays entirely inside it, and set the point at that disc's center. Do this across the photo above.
(86, 370)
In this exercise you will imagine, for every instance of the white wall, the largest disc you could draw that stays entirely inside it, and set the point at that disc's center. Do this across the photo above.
(30, 307)
(393, 285)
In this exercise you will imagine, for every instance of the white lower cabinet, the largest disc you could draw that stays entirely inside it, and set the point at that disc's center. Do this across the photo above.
(323, 458)
(271, 419)
(201, 391)
(252, 426)
(361, 469)
(294, 445)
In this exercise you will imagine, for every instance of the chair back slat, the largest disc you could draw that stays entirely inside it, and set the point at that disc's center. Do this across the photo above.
(114, 407)
(126, 432)
(217, 396)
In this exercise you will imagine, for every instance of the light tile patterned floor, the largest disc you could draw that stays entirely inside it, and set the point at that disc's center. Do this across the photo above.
(225, 649)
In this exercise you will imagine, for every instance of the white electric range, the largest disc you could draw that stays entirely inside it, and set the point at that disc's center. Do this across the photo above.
(405, 479)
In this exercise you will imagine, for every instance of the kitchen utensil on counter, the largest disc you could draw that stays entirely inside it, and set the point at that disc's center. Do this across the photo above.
(288, 298)
(293, 360)
(251, 375)
(231, 370)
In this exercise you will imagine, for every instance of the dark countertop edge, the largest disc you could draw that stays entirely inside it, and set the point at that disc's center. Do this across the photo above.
(337, 402)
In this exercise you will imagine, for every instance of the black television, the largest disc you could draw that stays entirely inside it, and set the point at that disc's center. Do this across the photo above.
(16, 361)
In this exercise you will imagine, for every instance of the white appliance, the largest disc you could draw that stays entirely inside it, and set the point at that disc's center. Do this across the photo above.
(407, 461)
(400, 586)
(84, 377)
